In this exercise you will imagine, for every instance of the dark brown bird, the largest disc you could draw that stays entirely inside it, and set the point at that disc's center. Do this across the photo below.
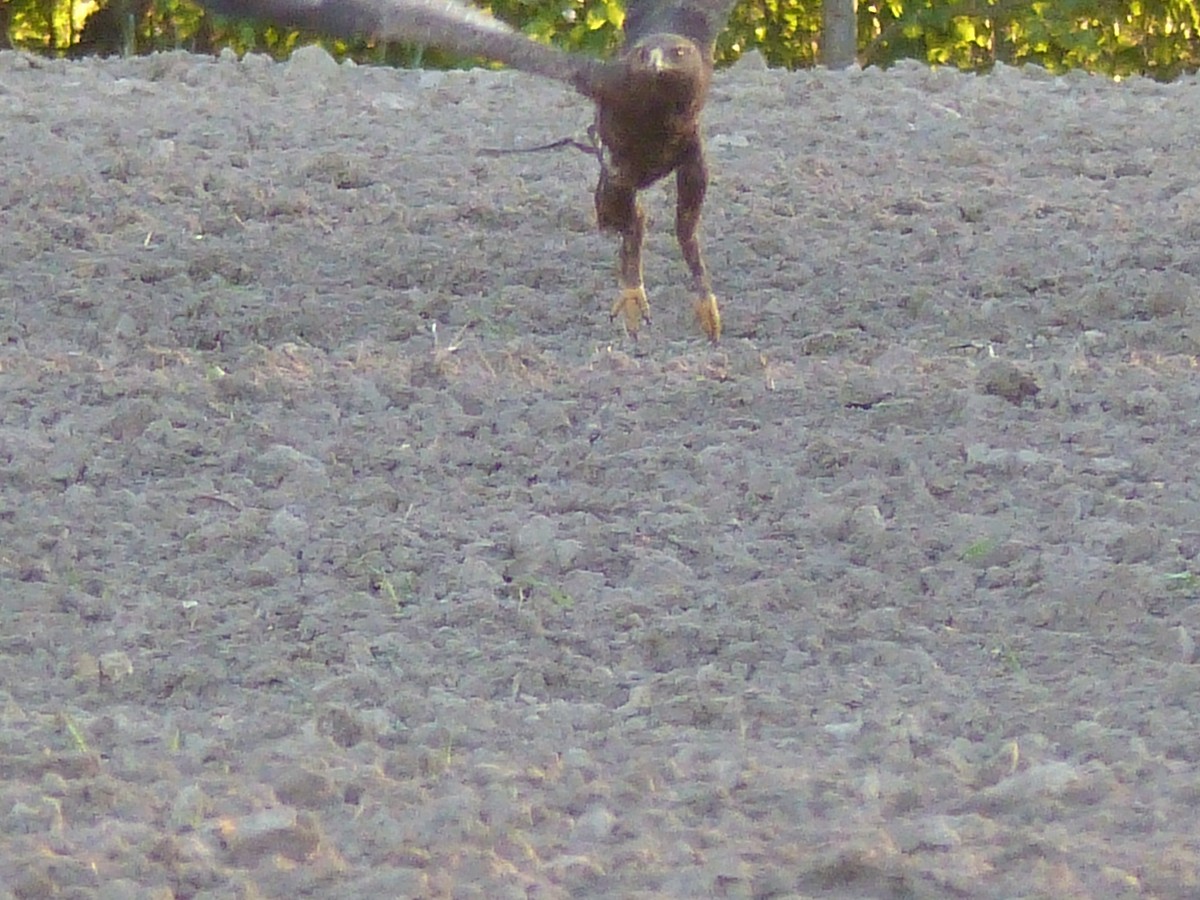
(648, 104)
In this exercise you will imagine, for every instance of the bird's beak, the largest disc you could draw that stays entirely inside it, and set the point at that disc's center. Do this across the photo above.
(655, 59)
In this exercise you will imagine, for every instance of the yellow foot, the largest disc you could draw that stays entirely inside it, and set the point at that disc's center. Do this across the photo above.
(634, 307)
(709, 316)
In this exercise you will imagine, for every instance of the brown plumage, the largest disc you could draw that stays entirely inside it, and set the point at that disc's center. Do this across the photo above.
(648, 104)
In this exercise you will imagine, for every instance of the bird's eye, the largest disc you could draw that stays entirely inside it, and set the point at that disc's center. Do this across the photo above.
(678, 52)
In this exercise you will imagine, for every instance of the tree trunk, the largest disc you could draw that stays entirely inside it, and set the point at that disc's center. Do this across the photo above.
(5, 24)
(839, 33)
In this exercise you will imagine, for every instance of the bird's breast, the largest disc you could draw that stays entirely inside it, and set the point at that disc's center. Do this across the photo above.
(642, 140)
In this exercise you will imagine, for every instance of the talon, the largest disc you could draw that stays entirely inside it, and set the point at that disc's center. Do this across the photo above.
(709, 316)
(634, 307)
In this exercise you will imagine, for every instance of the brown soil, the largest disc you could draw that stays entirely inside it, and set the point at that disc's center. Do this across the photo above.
(348, 550)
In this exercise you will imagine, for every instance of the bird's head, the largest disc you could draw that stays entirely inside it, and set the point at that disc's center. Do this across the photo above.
(666, 54)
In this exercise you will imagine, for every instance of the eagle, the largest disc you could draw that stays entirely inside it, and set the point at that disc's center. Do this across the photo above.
(648, 101)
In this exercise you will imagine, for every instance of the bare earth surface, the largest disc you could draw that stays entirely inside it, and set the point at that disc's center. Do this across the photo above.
(348, 550)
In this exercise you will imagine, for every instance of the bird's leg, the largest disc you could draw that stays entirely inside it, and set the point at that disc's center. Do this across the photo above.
(617, 210)
(691, 181)
(632, 302)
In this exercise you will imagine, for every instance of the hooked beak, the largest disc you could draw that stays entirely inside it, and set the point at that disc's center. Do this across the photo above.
(654, 59)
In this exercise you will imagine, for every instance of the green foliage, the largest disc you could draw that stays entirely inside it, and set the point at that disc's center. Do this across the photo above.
(592, 26)
(786, 32)
(1160, 38)
(39, 25)
(60, 26)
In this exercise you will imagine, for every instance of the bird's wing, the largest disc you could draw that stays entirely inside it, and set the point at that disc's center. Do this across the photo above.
(699, 20)
(447, 24)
